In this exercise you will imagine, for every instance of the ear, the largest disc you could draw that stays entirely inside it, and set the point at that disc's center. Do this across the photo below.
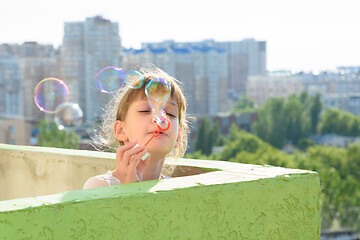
(119, 131)
(177, 142)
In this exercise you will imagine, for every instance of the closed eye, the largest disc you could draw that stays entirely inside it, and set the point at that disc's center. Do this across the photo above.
(171, 115)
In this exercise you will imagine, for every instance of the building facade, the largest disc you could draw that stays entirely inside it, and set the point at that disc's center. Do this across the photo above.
(201, 70)
(214, 74)
(339, 90)
(22, 67)
(87, 48)
(10, 82)
(246, 58)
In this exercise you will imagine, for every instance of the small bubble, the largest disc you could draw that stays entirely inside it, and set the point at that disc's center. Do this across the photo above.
(110, 79)
(49, 93)
(68, 115)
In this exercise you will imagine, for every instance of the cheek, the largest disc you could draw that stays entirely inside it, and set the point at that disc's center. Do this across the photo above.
(174, 125)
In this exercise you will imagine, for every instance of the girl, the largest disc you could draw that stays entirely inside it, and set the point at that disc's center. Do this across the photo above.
(133, 126)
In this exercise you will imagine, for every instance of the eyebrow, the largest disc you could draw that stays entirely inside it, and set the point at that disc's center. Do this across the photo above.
(171, 102)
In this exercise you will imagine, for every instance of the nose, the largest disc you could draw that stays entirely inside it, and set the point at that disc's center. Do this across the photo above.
(153, 120)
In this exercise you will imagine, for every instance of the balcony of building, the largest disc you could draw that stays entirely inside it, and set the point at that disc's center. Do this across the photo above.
(41, 197)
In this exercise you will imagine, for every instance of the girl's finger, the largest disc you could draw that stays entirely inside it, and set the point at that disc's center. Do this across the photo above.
(120, 151)
(129, 154)
(136, 159)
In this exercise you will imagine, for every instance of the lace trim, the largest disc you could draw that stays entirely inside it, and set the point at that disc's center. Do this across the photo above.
(110, 180)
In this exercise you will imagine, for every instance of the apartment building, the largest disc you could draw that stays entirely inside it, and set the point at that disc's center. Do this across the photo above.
(87, 48)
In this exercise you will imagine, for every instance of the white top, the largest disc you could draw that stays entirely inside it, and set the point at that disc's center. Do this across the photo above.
(106, 179)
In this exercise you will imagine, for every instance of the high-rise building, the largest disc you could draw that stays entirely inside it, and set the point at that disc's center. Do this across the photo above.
(246, 58)
(38, 62)
(87, 48)
(10, 84)
(22, 67)
(200, 69)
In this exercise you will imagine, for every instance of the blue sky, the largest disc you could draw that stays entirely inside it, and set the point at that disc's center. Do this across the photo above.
(301, 35)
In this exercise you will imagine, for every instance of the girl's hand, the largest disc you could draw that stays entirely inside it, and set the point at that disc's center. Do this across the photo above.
(129, 166)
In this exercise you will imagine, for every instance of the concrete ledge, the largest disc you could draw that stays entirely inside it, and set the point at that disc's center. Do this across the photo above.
(226, 201)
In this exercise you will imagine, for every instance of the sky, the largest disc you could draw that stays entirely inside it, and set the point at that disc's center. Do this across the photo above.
(306, 35)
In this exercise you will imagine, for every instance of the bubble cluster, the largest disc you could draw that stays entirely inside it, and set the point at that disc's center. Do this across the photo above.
(158, 91)
(68, 116)
(49, 93)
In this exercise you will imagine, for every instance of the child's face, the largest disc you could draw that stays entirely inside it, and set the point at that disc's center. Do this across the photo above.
(139, 125)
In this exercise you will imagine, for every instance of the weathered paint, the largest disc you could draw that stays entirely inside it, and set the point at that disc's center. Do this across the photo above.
(241, 201)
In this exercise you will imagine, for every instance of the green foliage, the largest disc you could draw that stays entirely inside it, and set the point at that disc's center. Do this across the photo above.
(248, 148)
(354, 127)
(214, 137)
(51, 136)
(297, 121)
(234, 133)
(315, 110)
(280, 122)
(207, 136)
(329, 121)
(341, 123)
(244, 104)
(304, 144)
(270, 124)
(340, 188)
(199, 155)
(244, 142)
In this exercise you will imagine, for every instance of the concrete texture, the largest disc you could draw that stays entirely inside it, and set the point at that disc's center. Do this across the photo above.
(227, 201)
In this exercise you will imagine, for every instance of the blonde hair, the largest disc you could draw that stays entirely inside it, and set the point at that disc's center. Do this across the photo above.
(119, 105)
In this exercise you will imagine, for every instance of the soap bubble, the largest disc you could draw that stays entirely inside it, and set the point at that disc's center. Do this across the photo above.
(49, 93)
(161, 119)
(110, 79)
(158, 91)
(68, 115)
(134, 79)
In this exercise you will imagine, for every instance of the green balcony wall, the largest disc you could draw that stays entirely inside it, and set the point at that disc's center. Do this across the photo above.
(203, 200)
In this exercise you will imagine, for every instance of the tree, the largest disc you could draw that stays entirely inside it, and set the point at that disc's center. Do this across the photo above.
(297, 122)
(304, 144)
(51, 136)
(207, 136)
(270, 124)
(213, 138)
(234, 132)
(201, 136)
(244, 104)
(342, 123)
(354, 127)
(315, 110)
(329, 121)
(242, 141)
(304, 97)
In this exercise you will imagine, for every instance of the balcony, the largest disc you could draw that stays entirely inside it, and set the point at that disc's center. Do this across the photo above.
(41, 198)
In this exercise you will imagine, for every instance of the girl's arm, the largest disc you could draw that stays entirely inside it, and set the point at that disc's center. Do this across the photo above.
(94, 183)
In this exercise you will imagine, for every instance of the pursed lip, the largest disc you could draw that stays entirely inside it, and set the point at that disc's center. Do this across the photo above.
(161, 133)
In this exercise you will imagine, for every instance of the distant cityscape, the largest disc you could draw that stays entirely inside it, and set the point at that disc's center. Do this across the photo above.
(214, 75)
